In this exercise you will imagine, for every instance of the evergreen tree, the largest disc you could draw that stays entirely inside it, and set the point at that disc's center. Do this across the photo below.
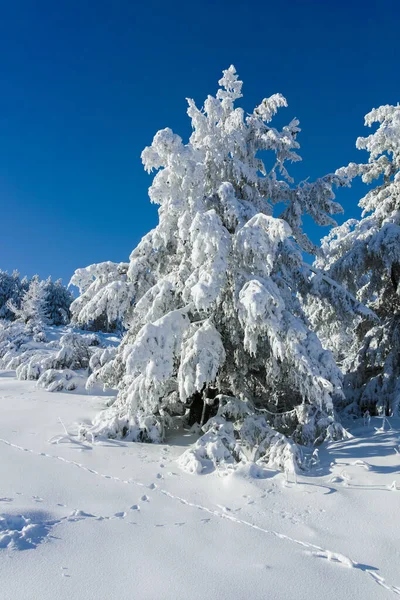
(59, 300)
(364, 255)
(34, 306)
(11, 289)
(214, 317)
(105, 296)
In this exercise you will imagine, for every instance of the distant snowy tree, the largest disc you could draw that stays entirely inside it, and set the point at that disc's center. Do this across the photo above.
(11, 290)
(34, 307)
(364, 255)
(210, 298)
(59, 300)
(105, 296)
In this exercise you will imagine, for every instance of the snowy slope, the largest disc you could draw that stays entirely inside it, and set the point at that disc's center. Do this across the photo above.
(122, 520)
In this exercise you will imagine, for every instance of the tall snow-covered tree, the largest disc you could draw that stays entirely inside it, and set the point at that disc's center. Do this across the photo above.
(214, 317)
(364, 255)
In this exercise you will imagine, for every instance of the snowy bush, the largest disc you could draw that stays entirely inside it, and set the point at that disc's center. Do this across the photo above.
(105, 296)
(54, 380)
(75, 351)
(100, 361)
(66, 362)
(236, 434)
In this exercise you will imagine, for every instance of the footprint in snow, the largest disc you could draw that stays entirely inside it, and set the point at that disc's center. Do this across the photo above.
(78, 515)
(6, 499)
(180, 524)
(37, 498)
(145, 498)
(120, 515)
(135, 507)
(24, 533)
(152, 486)
(159, 476)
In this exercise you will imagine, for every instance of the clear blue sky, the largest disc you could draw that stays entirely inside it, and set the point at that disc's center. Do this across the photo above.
(85, 85)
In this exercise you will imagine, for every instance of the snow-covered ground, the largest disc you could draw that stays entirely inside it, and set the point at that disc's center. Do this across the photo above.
(121, 520)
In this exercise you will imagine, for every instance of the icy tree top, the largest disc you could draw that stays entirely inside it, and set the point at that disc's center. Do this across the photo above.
(225, 147)
(360, 252)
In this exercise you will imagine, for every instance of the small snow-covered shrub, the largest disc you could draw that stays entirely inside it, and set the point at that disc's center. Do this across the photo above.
(63, 363)
(105, 296)
(218, 447)
(75, 351)
(54, 380)
(237, 434)
(134, 427)
(12, 337)
(99, 362)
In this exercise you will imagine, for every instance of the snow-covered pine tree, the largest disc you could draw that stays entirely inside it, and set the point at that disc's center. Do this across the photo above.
(105, 296)
(214, 321)
(59, 300)
(364, 255)
(33, 309)
(11, 289)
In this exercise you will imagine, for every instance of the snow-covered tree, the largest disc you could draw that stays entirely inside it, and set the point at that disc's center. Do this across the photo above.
(105, 296)
(34, 307)
(11, 290)
(59, 300)
(211, 295)
(364, 255)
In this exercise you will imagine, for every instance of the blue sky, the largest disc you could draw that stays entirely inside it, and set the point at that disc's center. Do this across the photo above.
(84, 86)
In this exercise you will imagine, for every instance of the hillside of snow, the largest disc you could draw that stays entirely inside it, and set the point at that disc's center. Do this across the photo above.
(118, 519)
